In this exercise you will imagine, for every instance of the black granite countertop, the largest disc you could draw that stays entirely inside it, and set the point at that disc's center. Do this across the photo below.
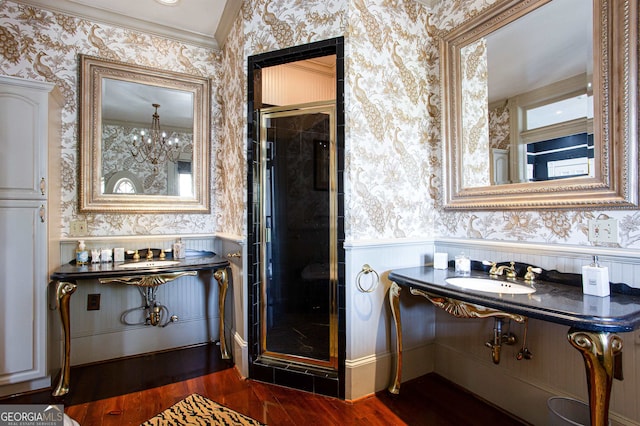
(194, 261)
(554, 302)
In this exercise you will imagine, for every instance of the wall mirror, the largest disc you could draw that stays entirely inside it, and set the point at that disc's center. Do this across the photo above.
(539, 102)
(144, 139)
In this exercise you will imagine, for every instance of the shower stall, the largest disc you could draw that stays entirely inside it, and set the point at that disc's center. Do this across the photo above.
(299, 240)
(295, 217)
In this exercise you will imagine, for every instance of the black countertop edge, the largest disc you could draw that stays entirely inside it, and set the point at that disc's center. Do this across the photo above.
(71, 271)
(518, 304)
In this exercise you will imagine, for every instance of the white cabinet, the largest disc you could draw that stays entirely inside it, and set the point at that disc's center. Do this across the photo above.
(29, 125)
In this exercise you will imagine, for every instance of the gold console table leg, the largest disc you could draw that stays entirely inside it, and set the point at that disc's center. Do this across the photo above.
(222, 277)
(601, 352)
(64, 290)
(394, 302)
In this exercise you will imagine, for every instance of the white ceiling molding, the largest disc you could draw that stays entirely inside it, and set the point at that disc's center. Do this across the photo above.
(229, 15)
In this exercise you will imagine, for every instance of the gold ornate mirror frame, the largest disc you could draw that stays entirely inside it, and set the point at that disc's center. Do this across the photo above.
(93, 72)
(615, 88)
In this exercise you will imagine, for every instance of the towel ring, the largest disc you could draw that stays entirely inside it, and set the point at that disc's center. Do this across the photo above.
(366, 269)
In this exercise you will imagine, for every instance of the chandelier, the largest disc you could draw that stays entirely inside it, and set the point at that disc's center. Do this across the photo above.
(155, 148)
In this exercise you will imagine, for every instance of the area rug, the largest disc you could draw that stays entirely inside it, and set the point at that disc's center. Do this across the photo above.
(198, 410)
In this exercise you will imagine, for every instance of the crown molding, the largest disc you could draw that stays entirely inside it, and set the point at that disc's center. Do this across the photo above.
(229, 15)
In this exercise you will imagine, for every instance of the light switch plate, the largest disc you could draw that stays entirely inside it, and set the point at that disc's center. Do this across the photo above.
(78, 228)
(603, 231)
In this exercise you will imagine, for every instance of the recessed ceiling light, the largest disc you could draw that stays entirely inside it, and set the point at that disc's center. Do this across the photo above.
(168, 2)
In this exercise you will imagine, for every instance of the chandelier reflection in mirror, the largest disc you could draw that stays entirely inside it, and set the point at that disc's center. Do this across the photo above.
(155, 147)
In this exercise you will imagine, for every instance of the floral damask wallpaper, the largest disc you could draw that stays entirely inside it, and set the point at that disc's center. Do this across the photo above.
(475, 117)
(42, 45)
(230, 171)
(393, 157)
(390, 154)
(499, 127)
(393, 146)
(390, 175)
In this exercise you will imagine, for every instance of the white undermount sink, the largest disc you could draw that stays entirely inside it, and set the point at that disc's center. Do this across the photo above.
(149, 264)
(490, 286)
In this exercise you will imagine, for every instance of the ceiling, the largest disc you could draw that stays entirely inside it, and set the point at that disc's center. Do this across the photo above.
(550, 44)
(202, 22)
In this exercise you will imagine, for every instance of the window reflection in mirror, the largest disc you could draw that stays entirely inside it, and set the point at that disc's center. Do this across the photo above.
(124, 186)
(538, 67)
(559, 138)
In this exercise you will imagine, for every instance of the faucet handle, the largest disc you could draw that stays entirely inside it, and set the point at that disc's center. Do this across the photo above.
(531, 273)
(494, 268)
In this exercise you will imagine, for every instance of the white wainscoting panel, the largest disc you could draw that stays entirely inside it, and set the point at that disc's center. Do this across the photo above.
(370, 337)
(234, 249)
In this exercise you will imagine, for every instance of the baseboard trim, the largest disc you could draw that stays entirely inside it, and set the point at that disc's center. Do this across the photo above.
(240, 354)
(25, 387)
(367, 375)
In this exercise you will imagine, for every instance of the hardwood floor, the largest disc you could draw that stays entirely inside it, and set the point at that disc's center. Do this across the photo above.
(130, 391)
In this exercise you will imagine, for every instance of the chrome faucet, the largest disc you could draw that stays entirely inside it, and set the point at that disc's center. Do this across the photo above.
(499, 270)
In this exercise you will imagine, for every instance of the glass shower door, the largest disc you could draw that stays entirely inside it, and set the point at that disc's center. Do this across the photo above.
(299, 236)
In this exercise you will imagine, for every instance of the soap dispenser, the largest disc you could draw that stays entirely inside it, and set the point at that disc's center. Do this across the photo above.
(82, 254)
(595, 279)
(463, 265)
(178, 249)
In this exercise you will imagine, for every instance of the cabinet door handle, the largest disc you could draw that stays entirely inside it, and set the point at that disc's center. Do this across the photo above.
(43, 186)
(42, 213)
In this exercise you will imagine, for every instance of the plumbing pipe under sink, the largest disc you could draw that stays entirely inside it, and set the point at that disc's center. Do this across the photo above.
(499, 339)
(153, 311)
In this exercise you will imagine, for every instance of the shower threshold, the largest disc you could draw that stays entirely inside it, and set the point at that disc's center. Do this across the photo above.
(297, 367)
